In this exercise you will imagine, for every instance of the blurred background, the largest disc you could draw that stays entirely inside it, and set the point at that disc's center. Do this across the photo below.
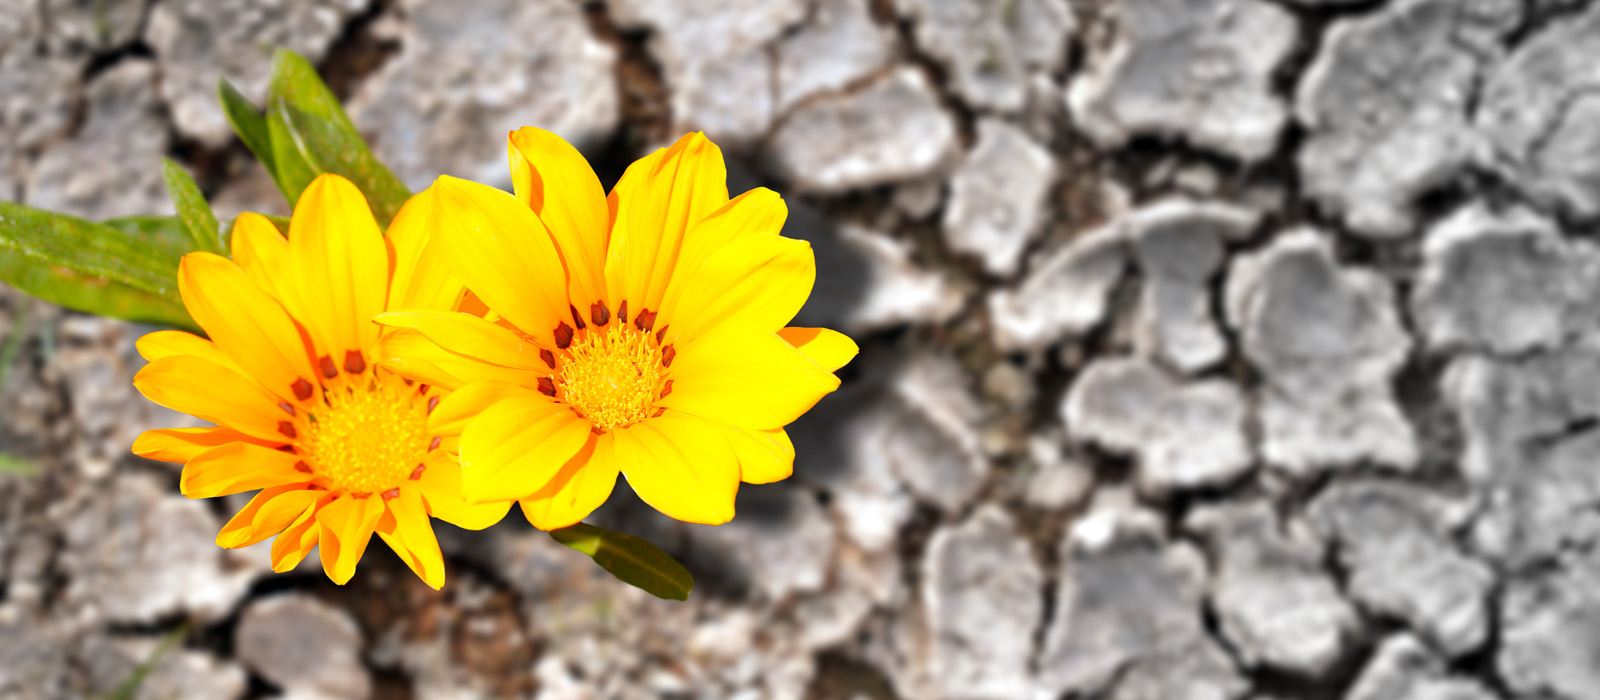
(1211, 349)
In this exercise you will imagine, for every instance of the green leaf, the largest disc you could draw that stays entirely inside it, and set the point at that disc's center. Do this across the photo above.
(125, 268)
(311, 134)
(633, 560)
(250, 124)
(198, 219)
(16, 465)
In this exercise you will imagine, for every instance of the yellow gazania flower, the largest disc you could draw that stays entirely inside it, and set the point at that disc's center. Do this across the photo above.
(641, 333)
(339, 447)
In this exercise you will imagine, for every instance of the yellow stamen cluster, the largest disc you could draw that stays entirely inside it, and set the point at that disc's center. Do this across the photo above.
(613, 376)
(369, 438)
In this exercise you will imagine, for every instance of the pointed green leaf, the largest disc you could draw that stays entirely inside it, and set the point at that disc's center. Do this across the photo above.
(250, 124)
(124, 268)
(633, 560)
(295, 167)
(308, 128)
(198, 219)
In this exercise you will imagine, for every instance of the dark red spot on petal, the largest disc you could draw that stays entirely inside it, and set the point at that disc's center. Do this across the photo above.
(302, 389)
(316, 487)
(599, 313)
(286, 407)
(286, 448)
(660, 412)
(410, 382)
(433, 403)
(287, 429)
(666, 389)
(417, 473)
(391, 494)
(595, 429)
(329, 371)
(354, 363)
(646, 321)
(423, 389)
(435, 444)
(548, 357)
(661, 333)
(667, 353)
(302, 467)
(622, 312)
(563, 336)
(547, 386)
(577, 320)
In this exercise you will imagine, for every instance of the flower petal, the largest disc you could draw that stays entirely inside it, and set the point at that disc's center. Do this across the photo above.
(183, 444)
(406, 529)
(347, 525)
(453, 413)
(440, 485)
(554, 180)
(658, 198)
(758, 280)
(516, 446)
(418, 280)
(267, 514)
(502, 252)
(262, 252)
(244, 321)
(765, 456)
(296, 541)
(156, 345)
(238, 467)
(340, 266)
(682, 466)
(747, 378)
(828, 348)
(582, 485)
(412, 355)
(211, 392)
(468, 335)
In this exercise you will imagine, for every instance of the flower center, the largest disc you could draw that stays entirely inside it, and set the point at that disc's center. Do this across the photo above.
(612, 376)
(369, 438)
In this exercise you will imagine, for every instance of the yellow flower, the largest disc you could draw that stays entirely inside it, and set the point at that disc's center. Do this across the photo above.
(339, 447)
(641, 333)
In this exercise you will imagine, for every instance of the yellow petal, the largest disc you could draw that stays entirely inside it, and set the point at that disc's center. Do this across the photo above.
(554, 180)
(758, 281)
(765, 456)
(498, 247)
(245, 322)
(267, 514)
(747, 378)
(440, 485)
(347, 526)
(296, 541)
(412, 355)
(658, 199)
(418, 280)
(453, 413)
(183, 444)
(159, 344)
(582, 485)
(757, 211)
(340, 266)
(262, 252)
(682, 466)
(238, 467)
(473, 337)
(514, 447)
(405, 528)
(213, 393)
(828, 348)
